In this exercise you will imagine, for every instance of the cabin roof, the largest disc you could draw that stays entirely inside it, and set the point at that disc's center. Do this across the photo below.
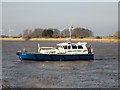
(69, 43)
(47, 47)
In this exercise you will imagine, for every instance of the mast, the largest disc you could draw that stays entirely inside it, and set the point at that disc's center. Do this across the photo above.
(38, 47)
(70, 29)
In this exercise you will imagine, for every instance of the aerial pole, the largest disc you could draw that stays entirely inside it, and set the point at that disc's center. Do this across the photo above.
(70, 30)
(38, 47)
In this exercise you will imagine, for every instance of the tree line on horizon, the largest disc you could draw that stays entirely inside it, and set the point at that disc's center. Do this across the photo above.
(77, 32)
(117, 34)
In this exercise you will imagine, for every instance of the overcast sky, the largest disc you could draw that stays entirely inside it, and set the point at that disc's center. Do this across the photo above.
(99, 17)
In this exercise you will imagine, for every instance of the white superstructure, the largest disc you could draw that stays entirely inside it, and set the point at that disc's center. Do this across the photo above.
(65, 48)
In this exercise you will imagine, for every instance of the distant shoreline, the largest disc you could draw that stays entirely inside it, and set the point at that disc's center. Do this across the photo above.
(63, 39)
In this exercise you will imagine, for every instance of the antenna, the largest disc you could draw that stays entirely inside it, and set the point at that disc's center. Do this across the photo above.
(71, 27)
(70, 30)
(38, 47)
(60, 33)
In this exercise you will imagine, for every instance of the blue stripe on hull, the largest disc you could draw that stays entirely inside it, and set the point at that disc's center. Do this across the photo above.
(48, 57)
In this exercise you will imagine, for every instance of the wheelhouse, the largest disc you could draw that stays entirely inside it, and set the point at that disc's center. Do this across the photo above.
(73, 48)
(72, 45)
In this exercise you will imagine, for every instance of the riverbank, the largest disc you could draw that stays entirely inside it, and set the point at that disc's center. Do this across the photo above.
(63, 39)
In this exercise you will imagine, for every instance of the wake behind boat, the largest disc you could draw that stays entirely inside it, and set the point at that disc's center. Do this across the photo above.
(65, 51)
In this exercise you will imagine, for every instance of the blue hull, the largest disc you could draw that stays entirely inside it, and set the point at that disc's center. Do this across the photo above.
(53, 57)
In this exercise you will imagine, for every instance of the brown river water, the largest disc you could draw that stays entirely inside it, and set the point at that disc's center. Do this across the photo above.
(99, 73)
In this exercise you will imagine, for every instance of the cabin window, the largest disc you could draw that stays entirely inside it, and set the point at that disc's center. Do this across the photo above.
(74, 47)
(65, 47)
(80, 47)
(69, 47)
